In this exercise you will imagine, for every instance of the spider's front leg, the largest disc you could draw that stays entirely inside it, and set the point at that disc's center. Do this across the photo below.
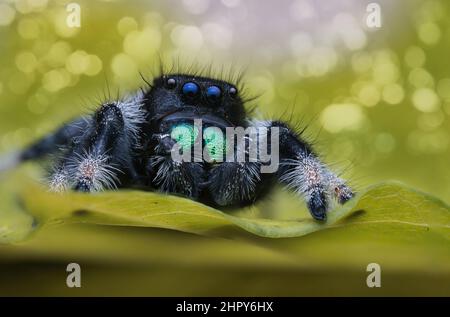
(302, 171)
(298, 168)
(103, 153)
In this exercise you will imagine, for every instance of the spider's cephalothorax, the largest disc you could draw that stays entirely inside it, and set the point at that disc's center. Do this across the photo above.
(129, 143)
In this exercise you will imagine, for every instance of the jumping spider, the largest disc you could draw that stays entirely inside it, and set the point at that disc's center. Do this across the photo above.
(127, 143)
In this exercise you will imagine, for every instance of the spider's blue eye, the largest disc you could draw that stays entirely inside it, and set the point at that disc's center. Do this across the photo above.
(213, 92)
(190, 89)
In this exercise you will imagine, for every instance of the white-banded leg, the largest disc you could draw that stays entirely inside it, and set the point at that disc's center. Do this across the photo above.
(103, 152)
(302, 171)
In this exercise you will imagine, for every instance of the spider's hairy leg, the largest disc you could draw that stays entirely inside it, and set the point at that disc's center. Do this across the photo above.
(61, 138)
(104, 151)
(90, 164)
(302, 171)
(52, 143)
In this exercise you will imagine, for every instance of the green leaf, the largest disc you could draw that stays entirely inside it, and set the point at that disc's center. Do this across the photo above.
(380, 205)
(405, 231)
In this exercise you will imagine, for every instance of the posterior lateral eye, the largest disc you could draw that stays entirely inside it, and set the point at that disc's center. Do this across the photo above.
(233, 91)
(171, 83)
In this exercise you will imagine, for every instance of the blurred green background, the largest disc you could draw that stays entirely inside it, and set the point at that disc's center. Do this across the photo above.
(377, 101)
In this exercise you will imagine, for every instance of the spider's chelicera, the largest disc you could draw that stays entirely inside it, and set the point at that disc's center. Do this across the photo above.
(149, 140)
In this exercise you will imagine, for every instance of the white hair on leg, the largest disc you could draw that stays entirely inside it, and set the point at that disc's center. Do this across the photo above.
(94, 172)
(305, 176)
(172, 176)
(133, 115)
(338, 187)
(60, 180)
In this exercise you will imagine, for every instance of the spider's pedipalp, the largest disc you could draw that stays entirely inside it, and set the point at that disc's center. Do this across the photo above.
(177, 177)
(234, 183)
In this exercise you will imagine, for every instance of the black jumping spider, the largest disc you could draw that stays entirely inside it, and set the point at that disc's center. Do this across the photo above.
(127, 143)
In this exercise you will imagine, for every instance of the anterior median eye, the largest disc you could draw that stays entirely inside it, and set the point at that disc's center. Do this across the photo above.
(213, 93)
(185, 135)
(190, 89)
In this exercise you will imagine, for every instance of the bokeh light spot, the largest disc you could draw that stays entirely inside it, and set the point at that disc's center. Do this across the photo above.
(94, 65)
(124, 69)
(142, 45)
(26, 62)
(77, 62)
(369, 95)
(443, 89)
(415, 57)
(60, 24)
(429, 33)
(385, 73)
(393, 94)
(385, 142)
(301, 44)
(231, 3)
(321, 60)
(196, 6)
(419, 77)
(339, 117)
(56, 79)
(126, 25)
(187, 37)
(430, 121)
(218, 35)
(58, 54)
(428, 143)
(425, 100)
(28, 28)
(7, 14)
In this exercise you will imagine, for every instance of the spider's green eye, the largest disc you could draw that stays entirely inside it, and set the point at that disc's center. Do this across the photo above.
(185, 135)
(215, 143)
